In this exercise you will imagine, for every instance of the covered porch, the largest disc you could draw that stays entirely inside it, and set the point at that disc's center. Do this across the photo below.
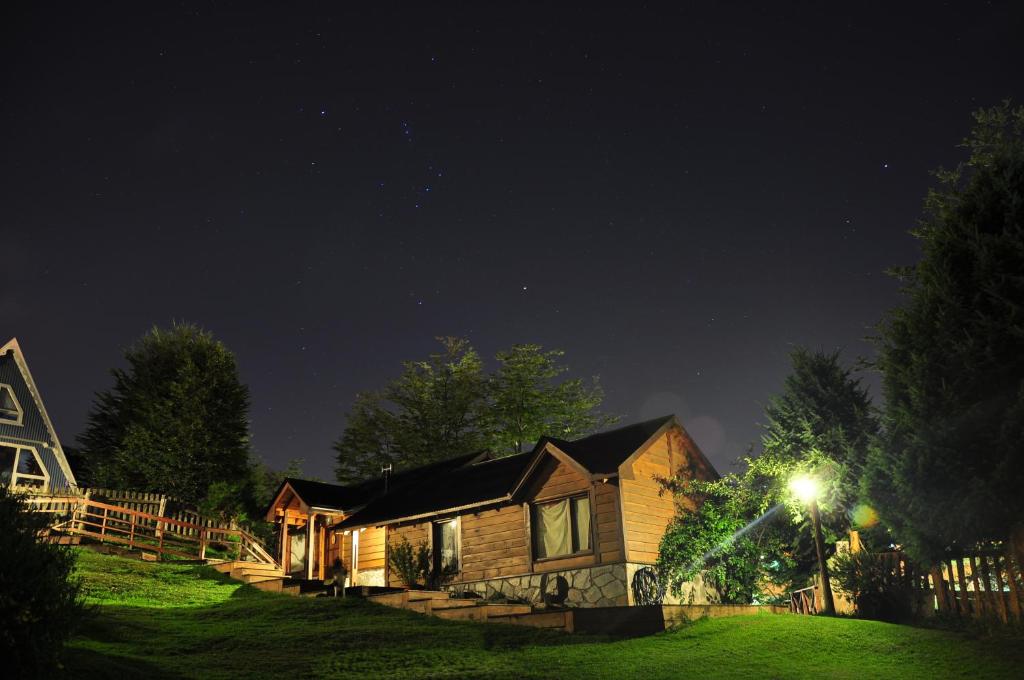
(302, 516)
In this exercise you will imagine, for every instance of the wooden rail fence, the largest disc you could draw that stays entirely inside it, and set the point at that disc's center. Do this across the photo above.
(804, 601)
(979, 584)
(186, 535)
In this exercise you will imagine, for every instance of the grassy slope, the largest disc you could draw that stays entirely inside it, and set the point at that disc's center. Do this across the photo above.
(163, 620)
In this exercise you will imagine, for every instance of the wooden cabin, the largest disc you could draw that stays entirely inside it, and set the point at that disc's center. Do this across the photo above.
(303, 510)
(31, 457)
(305, 513)
(571, 522)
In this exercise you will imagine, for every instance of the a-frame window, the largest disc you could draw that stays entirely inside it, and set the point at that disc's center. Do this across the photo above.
(10, 409)
(21, 466)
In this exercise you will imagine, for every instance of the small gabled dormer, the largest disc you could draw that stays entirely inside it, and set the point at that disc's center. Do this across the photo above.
(11, 412)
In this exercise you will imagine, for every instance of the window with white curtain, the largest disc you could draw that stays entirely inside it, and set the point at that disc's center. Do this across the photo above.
(561, 527)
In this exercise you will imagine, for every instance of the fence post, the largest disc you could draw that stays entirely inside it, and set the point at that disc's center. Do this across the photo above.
(1012, 571)
(131, 533)
(979, 597)
(965, 599)
(103, 525)
(160, 512)
(1000, 598)
(202, 543)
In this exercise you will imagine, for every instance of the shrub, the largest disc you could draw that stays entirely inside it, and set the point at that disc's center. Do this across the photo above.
(411, 565)
(877, 590)
(403, 560)
(40, 602)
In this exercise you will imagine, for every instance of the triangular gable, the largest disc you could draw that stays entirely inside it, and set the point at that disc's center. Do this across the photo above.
(14, 349)
(284, 490)
(658, 434)
(545, 447)
(551, 447)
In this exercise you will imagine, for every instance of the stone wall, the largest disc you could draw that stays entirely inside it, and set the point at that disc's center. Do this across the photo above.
(370, 577)
(600, 586)
(696, 591)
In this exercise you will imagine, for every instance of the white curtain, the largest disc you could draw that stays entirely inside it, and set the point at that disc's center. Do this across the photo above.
(581, 513)
(552, 528)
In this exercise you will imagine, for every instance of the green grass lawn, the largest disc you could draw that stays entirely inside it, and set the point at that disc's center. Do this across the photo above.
(179, 621)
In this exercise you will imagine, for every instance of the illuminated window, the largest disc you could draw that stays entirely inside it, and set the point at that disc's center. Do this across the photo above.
(561, 527)
(446, 544)
(10, 409)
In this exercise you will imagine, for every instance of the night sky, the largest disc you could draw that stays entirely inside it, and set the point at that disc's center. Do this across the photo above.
(675, 196)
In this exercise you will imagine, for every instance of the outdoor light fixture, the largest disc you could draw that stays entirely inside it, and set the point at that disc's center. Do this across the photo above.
(807, 489)
(804, 488)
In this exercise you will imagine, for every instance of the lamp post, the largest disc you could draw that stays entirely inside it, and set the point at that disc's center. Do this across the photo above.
(806, 490)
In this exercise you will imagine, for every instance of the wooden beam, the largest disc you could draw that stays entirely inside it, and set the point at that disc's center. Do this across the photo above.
(310, 535)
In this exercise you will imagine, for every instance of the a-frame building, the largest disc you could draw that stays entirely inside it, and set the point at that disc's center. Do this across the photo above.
(31, 457)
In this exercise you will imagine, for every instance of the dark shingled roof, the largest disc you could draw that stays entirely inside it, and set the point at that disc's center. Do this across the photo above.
(349, 497)
(606, 451)
(444, 487)
(439, 490)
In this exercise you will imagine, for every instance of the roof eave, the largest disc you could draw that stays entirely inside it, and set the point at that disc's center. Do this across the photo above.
(432, 513)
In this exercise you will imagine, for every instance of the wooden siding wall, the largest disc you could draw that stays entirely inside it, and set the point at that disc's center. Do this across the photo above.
(371, 548)
(645, 512)
(557, 479)
(609, 529)
(494, 543)
(561, 481)
(415, 533)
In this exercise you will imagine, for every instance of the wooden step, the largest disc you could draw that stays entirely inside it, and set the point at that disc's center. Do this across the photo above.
(482, 612)
(562, 620)
(249, 571)
(258, 578)
(415, 595)
(239, 573)
(270, 586)
(227, 566)
(391, 599)
(453, 603)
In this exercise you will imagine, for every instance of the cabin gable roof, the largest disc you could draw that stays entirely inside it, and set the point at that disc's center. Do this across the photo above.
(489, 481)
(35, 425)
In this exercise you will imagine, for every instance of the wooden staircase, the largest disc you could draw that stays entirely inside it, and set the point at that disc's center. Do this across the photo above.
(267, 577)
(443, 606)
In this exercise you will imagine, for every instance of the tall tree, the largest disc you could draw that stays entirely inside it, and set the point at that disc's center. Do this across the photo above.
(447, 406)
(821, 423)
(175, 421)
(432, 411)
(526, 401)
(952, 356)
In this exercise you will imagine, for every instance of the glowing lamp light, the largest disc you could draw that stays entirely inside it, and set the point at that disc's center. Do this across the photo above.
(805, 488)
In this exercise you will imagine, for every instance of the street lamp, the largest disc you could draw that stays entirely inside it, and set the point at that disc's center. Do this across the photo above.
(806, 489)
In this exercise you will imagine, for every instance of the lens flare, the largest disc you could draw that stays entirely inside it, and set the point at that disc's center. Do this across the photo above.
(864, 516)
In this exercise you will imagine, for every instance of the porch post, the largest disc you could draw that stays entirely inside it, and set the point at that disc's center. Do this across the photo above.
(310, 536)
(284, 541)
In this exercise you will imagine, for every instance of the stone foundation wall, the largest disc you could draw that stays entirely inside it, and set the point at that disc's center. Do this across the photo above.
(696, 591)
(600, 586)
(370, 577)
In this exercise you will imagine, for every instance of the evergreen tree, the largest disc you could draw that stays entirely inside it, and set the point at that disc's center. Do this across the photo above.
(525, 402)
(822, 424)
(952, 356)
(432, 411)
(175, 421)
(447, 406)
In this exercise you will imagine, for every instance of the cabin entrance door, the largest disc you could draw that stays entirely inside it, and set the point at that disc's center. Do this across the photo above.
(297, 553)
